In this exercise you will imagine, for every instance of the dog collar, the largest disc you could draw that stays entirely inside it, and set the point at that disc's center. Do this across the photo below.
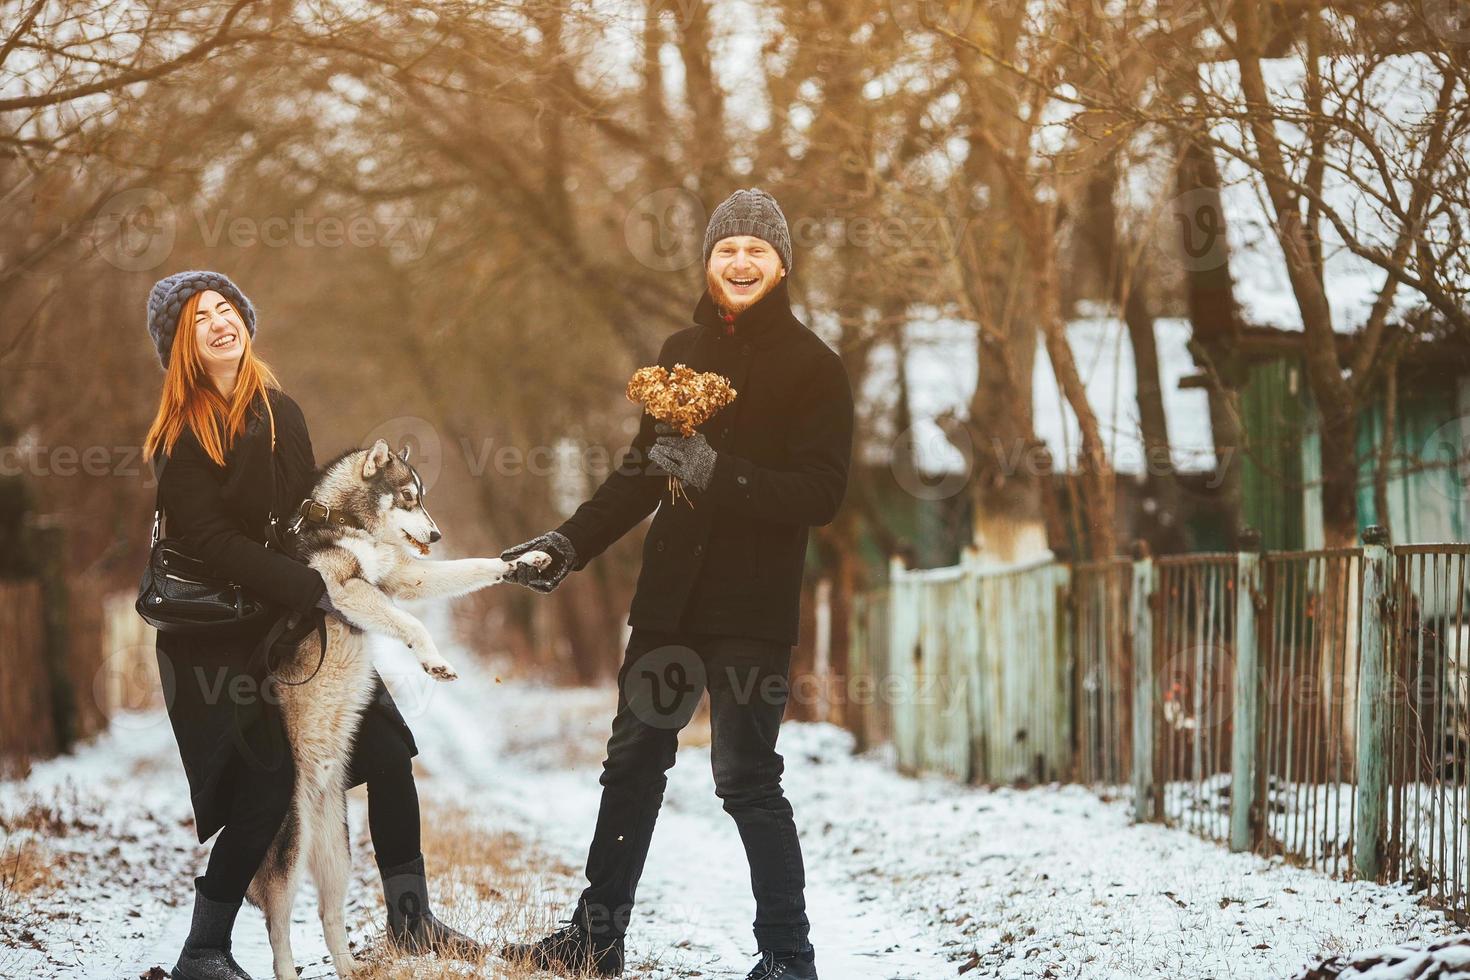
(318, 513)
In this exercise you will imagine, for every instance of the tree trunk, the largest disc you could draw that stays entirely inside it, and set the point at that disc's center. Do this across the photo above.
(1096, 472)
(707, 149)
(1165, 535)
(1214, 317)
(1336, 405)
(1016, 514)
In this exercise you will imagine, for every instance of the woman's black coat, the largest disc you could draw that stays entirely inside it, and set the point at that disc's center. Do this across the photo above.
(221, 514)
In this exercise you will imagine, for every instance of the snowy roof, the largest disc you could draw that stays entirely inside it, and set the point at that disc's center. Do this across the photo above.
(1395, 95)
(942, 368)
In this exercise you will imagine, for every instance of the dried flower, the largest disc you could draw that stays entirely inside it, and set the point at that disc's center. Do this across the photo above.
(684, 398)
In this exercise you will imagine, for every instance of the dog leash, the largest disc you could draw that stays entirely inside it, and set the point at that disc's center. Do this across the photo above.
(321, 634)
(261, 655)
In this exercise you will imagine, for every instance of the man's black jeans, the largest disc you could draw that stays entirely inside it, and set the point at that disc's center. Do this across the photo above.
(659, 685)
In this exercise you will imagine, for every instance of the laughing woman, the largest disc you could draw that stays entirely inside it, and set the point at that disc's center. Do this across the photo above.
(238, 451)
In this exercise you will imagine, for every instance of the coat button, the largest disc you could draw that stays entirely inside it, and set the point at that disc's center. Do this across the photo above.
(659, 546)
(741, 480)
(699, 549)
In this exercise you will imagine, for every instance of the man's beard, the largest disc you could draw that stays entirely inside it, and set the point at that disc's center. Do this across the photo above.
(735, 305)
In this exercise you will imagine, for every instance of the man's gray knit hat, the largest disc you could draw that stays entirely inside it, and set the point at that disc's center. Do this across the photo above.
(169, 296)
(750, 212)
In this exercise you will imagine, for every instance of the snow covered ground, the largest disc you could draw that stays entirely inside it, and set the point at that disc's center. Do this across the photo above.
(908, 879)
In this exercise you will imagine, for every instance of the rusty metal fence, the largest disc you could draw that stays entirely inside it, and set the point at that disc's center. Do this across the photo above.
(1308, 644)
(1313, 705)
(1421, 784)
(868, 711)
(1193, 654)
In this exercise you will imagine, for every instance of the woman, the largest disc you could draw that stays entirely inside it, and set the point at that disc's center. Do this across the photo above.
(238, 451)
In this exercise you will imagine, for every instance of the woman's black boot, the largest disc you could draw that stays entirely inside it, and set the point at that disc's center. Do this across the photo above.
(206, 953)
(411, 923)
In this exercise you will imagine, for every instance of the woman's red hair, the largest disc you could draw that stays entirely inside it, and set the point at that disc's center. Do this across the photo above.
(190, 398)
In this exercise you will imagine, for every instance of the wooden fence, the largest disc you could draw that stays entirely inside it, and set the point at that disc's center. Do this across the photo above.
(69, 660)
(948, 693)
(27, 716)
(1314, 705)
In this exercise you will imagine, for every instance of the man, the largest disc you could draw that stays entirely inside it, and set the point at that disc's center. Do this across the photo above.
(718, 596)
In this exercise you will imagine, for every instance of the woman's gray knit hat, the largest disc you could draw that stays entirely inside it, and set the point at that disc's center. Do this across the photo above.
(750, 212)
(169, 296)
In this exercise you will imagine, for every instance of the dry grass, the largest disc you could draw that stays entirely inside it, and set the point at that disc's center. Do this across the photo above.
(490, 884)
(26, 865)
(44, 818)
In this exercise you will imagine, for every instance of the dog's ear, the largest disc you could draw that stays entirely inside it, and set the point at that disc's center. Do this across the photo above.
(377, 458)
(403, 453)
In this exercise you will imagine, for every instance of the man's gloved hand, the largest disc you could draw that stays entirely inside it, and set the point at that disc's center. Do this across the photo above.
(690, 458)
(543, 580)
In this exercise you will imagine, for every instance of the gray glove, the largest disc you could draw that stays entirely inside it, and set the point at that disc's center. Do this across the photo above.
(543, 580)
(690, 458)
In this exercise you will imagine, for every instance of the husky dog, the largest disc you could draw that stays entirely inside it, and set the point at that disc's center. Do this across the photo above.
(364, 528)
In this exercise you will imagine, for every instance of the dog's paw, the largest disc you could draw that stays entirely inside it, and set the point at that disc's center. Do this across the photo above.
(440, 670)
(496, 570)
(536, 559)
(347, 966)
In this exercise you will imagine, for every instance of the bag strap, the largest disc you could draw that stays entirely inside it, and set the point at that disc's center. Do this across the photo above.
(158, 468)
(270, 514)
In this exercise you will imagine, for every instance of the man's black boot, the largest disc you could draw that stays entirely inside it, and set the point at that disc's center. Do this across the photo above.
(789, 965)
(206, 953)
(412, 925)
(572, 948)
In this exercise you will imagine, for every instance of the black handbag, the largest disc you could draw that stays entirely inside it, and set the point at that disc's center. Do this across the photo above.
(178, 593)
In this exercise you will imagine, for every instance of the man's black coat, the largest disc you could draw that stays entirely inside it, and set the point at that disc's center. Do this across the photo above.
(732, 563)
(220, 514)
